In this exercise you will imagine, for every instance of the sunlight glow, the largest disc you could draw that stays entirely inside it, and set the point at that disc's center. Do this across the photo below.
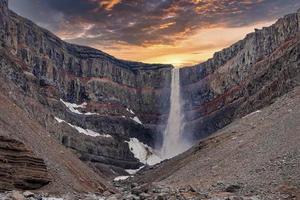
(190, 51)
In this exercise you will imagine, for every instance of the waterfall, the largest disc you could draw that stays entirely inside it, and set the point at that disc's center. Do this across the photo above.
(173, 141)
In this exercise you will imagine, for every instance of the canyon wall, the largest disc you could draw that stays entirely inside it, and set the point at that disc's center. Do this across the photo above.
(85, 74)
(242, 78)
(126, 99)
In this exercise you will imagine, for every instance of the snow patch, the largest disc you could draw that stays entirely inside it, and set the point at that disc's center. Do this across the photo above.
(130, 111)
(94, 196)
(74, 108)
(84, 131)
(88, 196)
(258, 111)
(137, 120)
(90, 113)
(121, 178)
(59, 120)
(133, 171)
(143, 152)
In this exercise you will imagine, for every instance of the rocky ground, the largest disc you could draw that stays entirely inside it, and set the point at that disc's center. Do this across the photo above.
(256, 157)
(27, 195)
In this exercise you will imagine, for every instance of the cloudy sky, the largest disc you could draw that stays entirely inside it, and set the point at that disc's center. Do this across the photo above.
(180, 32)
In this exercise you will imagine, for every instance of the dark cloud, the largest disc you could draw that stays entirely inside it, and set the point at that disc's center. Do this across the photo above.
(145, 22)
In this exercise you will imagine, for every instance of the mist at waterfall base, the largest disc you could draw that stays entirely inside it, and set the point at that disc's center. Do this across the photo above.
(174, 141)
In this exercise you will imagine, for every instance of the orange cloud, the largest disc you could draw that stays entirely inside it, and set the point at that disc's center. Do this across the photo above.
(163, 26)
(109, 4)
(181, 32)
(185, 52)
(106, 4)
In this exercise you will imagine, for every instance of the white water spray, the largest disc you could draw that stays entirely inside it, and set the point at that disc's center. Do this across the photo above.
(173, 141)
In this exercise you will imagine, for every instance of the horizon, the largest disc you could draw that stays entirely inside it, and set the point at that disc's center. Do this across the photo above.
(181, 33)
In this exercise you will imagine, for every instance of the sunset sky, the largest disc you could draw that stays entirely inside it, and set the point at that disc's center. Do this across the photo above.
(179, 32)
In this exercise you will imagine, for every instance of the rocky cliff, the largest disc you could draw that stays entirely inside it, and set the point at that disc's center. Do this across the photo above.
(242, 78)
(121, 99)
(30, 156)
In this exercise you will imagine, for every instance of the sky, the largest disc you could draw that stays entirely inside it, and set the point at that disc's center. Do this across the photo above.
(178, 32)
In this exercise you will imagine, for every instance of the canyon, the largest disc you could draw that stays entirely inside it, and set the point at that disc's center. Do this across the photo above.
(79, 118)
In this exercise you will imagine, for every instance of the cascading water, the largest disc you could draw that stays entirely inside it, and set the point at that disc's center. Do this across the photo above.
(173, 141)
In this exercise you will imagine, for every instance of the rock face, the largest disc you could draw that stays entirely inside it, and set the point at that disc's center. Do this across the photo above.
(115, 91)
(85, 74)
(20, 168)
(20, 102)
(242, 78)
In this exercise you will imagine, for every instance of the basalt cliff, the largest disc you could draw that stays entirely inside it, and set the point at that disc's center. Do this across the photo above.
(121, 99)
(242, 78)
(76, 114)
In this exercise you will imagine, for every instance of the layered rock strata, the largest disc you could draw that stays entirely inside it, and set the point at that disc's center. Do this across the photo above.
(242, 78)
(117, 92)
(20, 168)
(19, 106)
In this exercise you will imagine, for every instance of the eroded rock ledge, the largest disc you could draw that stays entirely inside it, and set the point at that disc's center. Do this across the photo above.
(19, 167)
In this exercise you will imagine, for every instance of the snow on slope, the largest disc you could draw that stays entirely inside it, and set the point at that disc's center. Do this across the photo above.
(135, 118)
(143, 152)
(129, 110)
(84, 131)
(51, 198)
(253, 113)
(133, 171)
(121, 178)
(74, 108)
